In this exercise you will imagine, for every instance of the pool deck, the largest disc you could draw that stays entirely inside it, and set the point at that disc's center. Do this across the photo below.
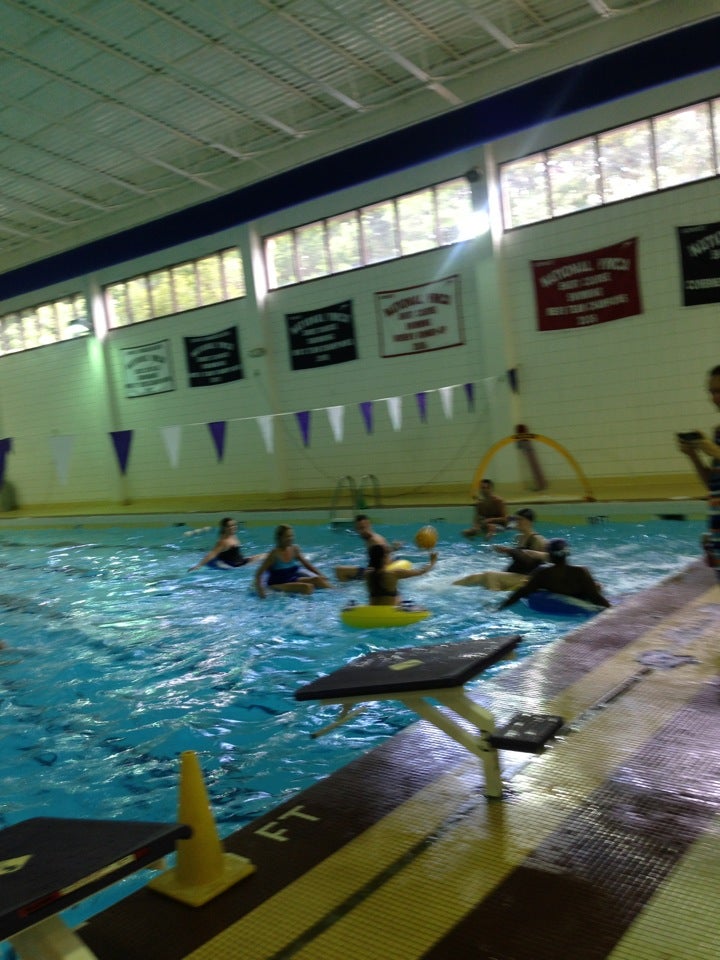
(672, 488)
(606, 845)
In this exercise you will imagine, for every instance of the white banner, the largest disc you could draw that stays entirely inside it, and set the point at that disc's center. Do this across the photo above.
(394, 405)
(171, 438)
(336, 418)
(419, 319)
(61, 449)
(266, 429)
(147, 369)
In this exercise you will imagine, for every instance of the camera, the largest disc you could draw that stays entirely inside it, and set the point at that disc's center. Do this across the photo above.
(690, 437)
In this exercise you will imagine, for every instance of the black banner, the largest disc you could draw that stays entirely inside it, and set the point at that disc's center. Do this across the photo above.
(700, 252)
(213, 358)
(320, 338)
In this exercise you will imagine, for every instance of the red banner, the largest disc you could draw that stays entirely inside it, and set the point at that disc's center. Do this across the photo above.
(589, 288)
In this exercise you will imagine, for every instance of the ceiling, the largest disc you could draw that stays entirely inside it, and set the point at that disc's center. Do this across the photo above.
(117, 112)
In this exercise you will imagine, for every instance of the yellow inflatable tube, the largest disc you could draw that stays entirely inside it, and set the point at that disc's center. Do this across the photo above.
(363, 617)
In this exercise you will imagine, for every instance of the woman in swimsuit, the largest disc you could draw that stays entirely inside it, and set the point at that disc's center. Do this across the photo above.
(284, 567)
(227, 552)
(382, 583)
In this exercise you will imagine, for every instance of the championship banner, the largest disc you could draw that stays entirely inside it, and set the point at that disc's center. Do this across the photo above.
(700, 252)
(320, 338)
(419, 319)
(147, 369)
(587, 289)
(213, 358)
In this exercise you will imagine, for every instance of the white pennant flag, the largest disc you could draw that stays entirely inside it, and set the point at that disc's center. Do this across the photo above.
(490, 384)
(266, 429)
(61, 449)
(394, 405)
(336, 418)
(171, 438)
(446, 399)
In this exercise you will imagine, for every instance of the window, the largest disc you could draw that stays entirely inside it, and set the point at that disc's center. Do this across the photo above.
(626, 162)
(183, 286)
(424, 220)
(654, 154)
(45, 323)
(683, 146)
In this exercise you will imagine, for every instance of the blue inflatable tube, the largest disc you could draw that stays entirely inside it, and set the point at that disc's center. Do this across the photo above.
(560, 605)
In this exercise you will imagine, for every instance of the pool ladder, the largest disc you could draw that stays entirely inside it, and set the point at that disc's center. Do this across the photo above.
(358, 496)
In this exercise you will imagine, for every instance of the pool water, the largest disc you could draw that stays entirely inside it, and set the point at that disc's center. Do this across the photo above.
(117, 659)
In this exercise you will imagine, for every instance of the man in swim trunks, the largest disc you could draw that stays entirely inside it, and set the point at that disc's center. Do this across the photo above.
(489, 512)
(559, 577)
(527, 554)
(364, 529)
(227, 552)
(709, 474)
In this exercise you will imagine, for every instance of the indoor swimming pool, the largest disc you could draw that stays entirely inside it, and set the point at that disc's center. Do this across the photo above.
(117, 659)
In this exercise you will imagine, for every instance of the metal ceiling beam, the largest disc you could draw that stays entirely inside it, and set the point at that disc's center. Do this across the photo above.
(431, 83)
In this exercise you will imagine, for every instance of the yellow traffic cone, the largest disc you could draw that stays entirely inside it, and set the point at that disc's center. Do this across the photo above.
(202, 869)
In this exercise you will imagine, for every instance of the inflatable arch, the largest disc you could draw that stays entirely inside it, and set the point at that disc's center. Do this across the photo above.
(482, 467)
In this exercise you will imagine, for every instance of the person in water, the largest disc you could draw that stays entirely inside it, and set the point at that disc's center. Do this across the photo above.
(227, 552)
(526, 555)
(382, 583)
(363, 527)
(559, 577)
(489, 512)
(287, 569)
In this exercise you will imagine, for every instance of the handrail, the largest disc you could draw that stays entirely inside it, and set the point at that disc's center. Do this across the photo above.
(375, 485)
(342, 483)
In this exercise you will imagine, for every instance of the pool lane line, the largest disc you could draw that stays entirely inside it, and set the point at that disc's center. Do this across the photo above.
(324, 889)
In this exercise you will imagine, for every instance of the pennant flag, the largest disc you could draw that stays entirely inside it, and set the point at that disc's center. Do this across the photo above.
(5, 448)
(266, 429)
(336, 416)
(303, 419)
(489, 383)
(61, 450)
(470, 394)
(394, 405)
(422, 405)
(446, 399)
(512, 376)
(121, 441)
(366, 408)
(171, 438)
(217, 432)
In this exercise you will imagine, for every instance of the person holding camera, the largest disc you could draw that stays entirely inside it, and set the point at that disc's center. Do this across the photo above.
(693, 444)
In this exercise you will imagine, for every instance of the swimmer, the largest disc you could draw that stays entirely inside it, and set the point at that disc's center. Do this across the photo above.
(526, 555)
(284, 567)
(227, 552)
(382, 583)
(559, 577)
(489, 512)
(364, 529)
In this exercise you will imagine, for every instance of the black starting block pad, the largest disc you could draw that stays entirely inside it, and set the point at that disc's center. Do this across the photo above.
(527, 732)
(407, 669)
(47, 863)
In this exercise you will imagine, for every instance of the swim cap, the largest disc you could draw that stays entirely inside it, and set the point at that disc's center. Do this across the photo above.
(558, 549)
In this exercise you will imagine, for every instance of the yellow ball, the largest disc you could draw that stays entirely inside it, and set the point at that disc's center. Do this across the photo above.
(426, 538)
